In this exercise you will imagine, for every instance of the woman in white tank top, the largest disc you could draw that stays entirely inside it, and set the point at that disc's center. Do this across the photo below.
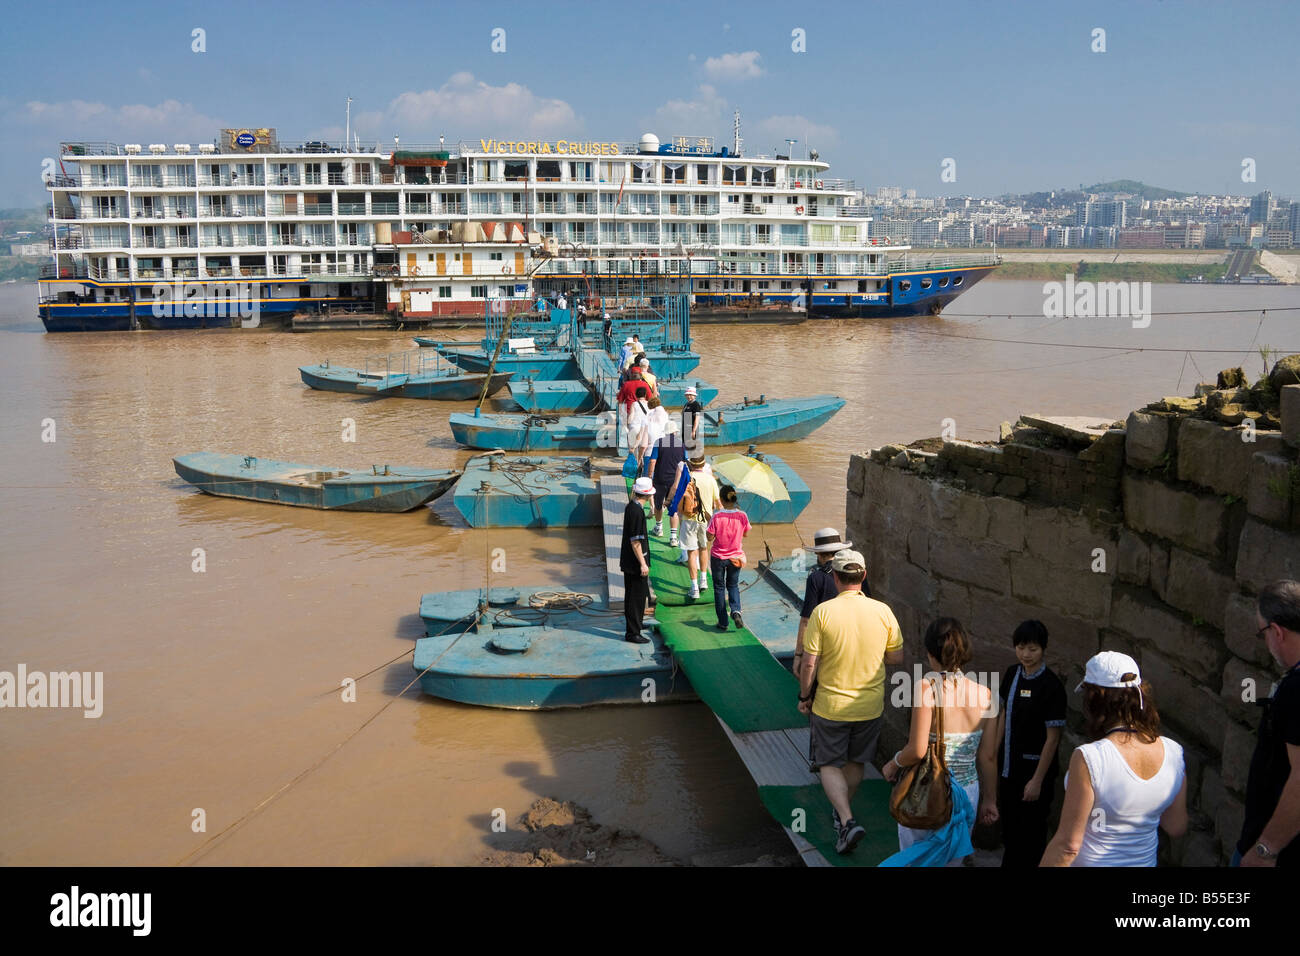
(1124, 785)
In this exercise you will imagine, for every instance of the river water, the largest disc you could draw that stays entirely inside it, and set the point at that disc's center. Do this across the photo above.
(222, 687)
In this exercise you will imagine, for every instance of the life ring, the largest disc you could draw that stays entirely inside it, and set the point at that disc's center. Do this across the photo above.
(506, 269)
(798, 210)
(874, 242)
(415, 270)
(797, 184)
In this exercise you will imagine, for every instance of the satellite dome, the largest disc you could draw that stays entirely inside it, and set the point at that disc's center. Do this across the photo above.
(649, 143)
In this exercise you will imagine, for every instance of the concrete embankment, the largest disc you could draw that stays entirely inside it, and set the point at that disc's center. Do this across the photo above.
(1152, 535)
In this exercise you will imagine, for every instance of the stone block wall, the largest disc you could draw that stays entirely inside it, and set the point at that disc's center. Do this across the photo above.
(1152, 536)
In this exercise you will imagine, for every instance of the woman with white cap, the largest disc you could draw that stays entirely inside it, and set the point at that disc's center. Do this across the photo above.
(1125, 784)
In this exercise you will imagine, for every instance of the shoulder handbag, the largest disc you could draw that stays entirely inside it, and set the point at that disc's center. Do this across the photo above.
(922, 797)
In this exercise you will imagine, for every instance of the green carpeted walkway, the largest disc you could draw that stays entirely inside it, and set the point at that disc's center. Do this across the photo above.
(870, 808)
(730, 670)
(740, 680)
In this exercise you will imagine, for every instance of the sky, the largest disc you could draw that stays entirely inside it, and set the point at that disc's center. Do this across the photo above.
(1018, 96)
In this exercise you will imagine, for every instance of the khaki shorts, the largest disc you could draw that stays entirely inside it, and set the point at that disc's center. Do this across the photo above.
(691, 535)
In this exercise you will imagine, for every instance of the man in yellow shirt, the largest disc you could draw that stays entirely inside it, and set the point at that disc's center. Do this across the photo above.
(849, 641)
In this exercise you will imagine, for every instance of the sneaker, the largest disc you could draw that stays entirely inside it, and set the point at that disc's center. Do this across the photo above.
(683, 558)
(851, 834)
(659, 530)
(638, 639)
(723, 627)
(672, 538)
(740, 621)
(704, 583)
(836, 821)
(695, 593)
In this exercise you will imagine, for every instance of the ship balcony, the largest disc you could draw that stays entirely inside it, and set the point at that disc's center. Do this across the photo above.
(318, 209)
(360, 270)
(102, 182)
(380, 209)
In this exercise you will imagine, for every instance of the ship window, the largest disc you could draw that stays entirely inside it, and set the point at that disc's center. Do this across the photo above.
(785, 284)
(444, 292)
(927, 282)
(516, 171)
(478, 291)
(904, 285)
(943, 283)
(958, 281)
(548, 170)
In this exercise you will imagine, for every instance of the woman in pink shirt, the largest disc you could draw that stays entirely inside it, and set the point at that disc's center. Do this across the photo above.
(726, 531)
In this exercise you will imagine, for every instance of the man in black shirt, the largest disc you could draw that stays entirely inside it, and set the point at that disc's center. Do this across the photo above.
(691, 414)
(1030, 723)
(820, 584)
(634, 561)
(1272, 812)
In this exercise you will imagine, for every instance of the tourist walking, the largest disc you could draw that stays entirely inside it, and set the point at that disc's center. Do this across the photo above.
(692, 412)
(650, 378)
(638, 432)
(1127, 782)
(849, 641)
(666, 458)
(634, 561)
(969, 723)
(1029, 726)
(696, 498)
(1272, 813)
(820, 586)
(726, 531)
(656, 422)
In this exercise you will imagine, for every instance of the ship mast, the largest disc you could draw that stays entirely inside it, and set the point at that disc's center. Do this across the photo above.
(737, 144)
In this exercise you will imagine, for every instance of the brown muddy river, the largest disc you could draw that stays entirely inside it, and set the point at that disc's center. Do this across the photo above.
(221, 687)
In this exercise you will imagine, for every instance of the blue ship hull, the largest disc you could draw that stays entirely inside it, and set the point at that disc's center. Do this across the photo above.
(383, 488)
(570, 398)
(892, 301)
(449, 385)
(775, 420)
(564, 492)
(576, 660)
(116, 316)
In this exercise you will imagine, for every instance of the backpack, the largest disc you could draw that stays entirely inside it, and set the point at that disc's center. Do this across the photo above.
(690, 506)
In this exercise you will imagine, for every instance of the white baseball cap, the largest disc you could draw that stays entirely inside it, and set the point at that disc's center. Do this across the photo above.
(848, 561)
(690, 390)
(1112, 669)
(643, 486)
(628, 340)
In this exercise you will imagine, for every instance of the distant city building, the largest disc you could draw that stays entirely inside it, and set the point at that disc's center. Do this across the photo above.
(959, 232)
(1295, 223)
(1261, 207)
(925, 232)
(1187, 235)
(1110, 212)
(1142, 237)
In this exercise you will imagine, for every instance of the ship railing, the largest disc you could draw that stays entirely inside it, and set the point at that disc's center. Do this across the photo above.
(91, 149)
(317, 209)
(381, 209)
(102, 182)
(354, 209)
(63, 182)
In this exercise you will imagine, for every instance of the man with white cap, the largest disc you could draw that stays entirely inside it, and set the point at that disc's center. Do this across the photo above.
(1270, 832)
(692, 412)
(850, 641)
(625, 354)
(650, 378)
(634, 561)
(1124, 785)
(820, 585)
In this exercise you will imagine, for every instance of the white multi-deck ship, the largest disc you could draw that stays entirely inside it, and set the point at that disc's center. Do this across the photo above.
(163, 236)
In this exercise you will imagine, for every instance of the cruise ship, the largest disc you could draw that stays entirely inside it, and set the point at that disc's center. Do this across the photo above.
(248, 231)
